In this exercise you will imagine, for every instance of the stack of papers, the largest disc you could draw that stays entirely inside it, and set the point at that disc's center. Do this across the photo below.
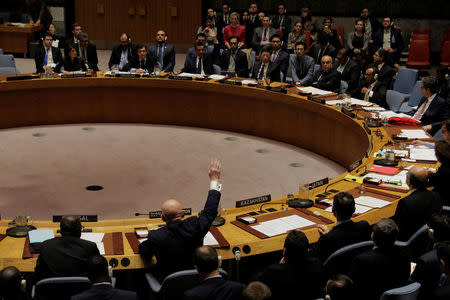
(422, 154)
(282, 225)
(400, 177)
(373, 108)
(249, 81)
(191, 75)
(96, 238)
(210, 240)
(371, 202)
(40, 235)
(142, 233)
(414, 134)
(216, 77)
(389, 114)
(314, 91)
(353, 101)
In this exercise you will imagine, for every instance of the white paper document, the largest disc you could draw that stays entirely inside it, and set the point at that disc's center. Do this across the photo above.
(373, 108)
(359, 209)
(400, 177)
(191, 75)
(422, 154)
(249, 81)
(142, 233)
(282, 225)
(93, 237)
(210, 240)
(216, 77)
(389, 114)
(314, 91)
(414, 134)
(142, 240)
(353, 101)
(371, 202)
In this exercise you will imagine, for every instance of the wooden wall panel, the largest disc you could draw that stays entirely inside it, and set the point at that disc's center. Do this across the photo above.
(140, 18)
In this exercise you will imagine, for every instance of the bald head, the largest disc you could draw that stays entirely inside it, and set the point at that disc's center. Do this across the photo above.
(171, 211)
(327, 63)
(417, 177)
(70, 226)
(10, 282)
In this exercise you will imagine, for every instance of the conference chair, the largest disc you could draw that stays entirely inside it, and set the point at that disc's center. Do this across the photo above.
(422, 31)
(8, 71)
(417, 243)
(217, 69)
(405, 80)
(445, 54)
(419, 54)
(60, 288)
(414, 99)
(420, 36)
(446, 209)
(316, 68)
(253, 57)
(343, 88)
(7, 60)
(407, 292)
(394, 100)
(1, 51)
(175, 284)
(339, 261)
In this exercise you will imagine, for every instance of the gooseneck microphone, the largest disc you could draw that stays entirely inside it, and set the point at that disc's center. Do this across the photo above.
(141, 214)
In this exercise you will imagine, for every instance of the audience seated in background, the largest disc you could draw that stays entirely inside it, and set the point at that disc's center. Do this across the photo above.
(202, 62)
(142, 63)
(121, 54)
(432, 109)
(440, 180)
(371, 26)
(321, 48)
(87, 51)
(223, 18)
(209, 25)
(12, 286)
(297, 273)
(253, 22)
(297, 35)
(385, 72)
(279, 56)
(71, 62)
(350, 70)
(234, 29)
(47, 55)
(357, 42)
(327, 78)
(58, 40)
(371, 89)
(382, 268)
(213, 285)
(200, 38)
(416, 209)
(233, 59)
(332, 34)
(302, 66)
(443, 252)
(67, 255)
(256, 290)
(264, 69)
(263, 34)
(282, 22)
(73, 40)
(428, 269)
(345, 232)
(162, 53)
(174, 244)
(340, 288)
(102, 287)
(308, 22)
(390, 39)
(212, 14)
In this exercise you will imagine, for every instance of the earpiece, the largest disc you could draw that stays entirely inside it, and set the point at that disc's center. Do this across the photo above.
(23, 285)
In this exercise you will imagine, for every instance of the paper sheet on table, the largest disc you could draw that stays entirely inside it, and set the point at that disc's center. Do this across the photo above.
(353, 101)
(101, 248)
(141, 240)
(388, 114)
(216, 77)
(400, 177)
(371, 202)
(142, 233)
(373, 108)
(414, 134)
(313, 90)
(191, 75)
(422, 154)
(282, 225)
(297, 221)
(209, 239)
(359, 209)
(93, 237)
(248, 81)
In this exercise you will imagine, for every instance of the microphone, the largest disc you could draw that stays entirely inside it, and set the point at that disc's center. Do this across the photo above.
(141, 214)
(237, 253)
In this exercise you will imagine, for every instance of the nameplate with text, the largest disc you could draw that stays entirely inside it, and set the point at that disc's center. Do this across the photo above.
(252, 201)
(157, 213)
(348, 112)
(317, 100)
(366, 127)
(318, 183)
(231, 82)
(84, 218)
(179, 77)
(354, 165)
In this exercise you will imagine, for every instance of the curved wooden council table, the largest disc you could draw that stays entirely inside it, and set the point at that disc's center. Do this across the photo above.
(287, 118)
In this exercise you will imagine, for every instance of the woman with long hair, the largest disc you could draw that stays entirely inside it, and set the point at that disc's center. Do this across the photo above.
(71, 62)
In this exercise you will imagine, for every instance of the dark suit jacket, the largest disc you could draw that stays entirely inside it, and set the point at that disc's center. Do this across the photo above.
(286, 25)
(105, 292)
(415, 210)
(92, 58)
(258, 34)
(302, 70)
(174, 244)
(77, 65)
(350, 74)
(64, 256)
(330, 81)
(315, 52)
(241, 63)
(379, 93)
(38, 11)
(250, 29)
(135, 63)
(396, 43)
(209, 58)
(427, 273)
(117, 53)
(385, 75)
(283, 61)
(168, 56)
(376, 271)
(442, 293)
(40, 55)
(215, 289)
(436, 113)
(284, 280)
(342, 235)
(440, 182)
(273, 71)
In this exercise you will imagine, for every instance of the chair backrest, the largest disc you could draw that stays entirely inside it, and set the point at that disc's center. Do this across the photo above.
(445, 52)
(253, 56)
(438, 136)
(416, 94)
(420, 36)
(217, 69)
(343, 88)
(7, 60)
(394, 100)
(8, 71)
(339, 261)
(1, 51)
(446, 36)
(419, 51)
(407, 292)
(60, 287)
(405, 80)
(316, 68)
(420, 232)
(422, 31)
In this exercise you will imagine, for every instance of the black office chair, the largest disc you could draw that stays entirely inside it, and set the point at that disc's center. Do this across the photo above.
(407, 292)
(60, 288)
(417, 244)
(339, 262)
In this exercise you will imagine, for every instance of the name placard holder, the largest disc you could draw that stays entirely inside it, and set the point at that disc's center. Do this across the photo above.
(252, 201)
(84, 218)
(354, 165)
(157, 213)
(180, 77)
(317, 100)
(318, 183)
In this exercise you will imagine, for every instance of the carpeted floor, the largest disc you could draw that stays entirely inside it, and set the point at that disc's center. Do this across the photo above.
(46, 169)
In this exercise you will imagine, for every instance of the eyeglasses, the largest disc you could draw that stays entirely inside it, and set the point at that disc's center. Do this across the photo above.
(276, 41)
(233, 43)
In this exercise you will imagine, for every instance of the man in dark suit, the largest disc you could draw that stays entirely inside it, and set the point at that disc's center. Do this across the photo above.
(102, 287)
(174, 244)
(11, 284)
(297, 273)
(371, 89)
(443, 252)
(213, 285)
(390, 39)
(432, 109)
(73, 40)
(345, 232)
(383, 268)
(121, 54)
(302, 66)
(252, 24)
(327, 78)
(223, 20)
(264, 69)
(416, 209)
(350, 70)
(203, 61)
(66, 255)
(47, 55)
(162, 52)
(282, 22)
(88, 51)
(143, 63)
(256, 290)
(428, 268)
(371, 26)
(263, 34)
(385, 72)
(322, 48)
(279, 56)
(234, 60)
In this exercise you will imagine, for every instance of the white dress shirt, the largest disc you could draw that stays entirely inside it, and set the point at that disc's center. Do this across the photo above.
(387, 39)
(423, 108)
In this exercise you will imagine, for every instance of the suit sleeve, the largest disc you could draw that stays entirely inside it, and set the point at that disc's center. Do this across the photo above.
(171, 64)
(309, 78)
(255, 42)
(38, 62)
(209, 211)
(293, 69)
(94, 60)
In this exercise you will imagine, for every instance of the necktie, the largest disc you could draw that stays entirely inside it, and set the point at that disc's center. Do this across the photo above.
(264, 35)
(199, 67)
(46, 56)
(418, 115)
(160, 56)
(261, 72)
(274, 57)
(141, 65)
(253, 18)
